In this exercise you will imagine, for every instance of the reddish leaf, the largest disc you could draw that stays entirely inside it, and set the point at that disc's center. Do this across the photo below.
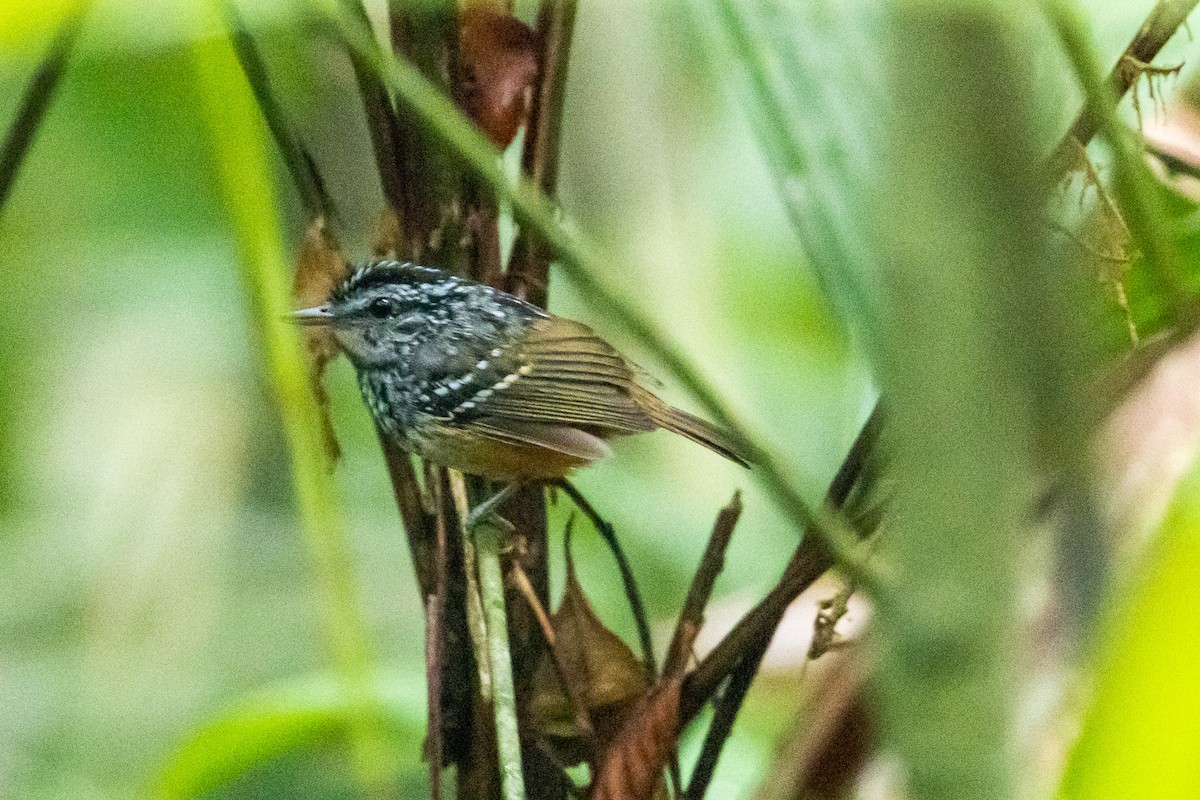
(633, 766)
(499, 53)
(320, 267)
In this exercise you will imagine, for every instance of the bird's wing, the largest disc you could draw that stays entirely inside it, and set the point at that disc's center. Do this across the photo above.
(567, 375)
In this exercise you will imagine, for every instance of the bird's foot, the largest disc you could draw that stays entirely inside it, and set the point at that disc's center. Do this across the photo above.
(486, 513)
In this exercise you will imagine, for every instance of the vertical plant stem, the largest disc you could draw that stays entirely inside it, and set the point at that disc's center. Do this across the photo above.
(240, 159)
(485, 534)
(962, 261)
(476, 619)
(504, 698)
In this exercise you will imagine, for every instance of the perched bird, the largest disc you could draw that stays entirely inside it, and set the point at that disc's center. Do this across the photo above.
(476, 379)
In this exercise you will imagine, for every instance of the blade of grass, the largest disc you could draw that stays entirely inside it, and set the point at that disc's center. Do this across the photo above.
(583, 263)
(816, 134)
(244, 177)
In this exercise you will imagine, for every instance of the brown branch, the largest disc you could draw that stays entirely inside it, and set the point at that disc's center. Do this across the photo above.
(381, 121)
(632, 593)
(435, 626)
(529, 267)
(35, 103)
(691, 616)
(1161, 24)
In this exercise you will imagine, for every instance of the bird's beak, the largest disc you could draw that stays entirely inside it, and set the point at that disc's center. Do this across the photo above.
(317, 315)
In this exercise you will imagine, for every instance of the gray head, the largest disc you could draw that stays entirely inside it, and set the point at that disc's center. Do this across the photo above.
(385, 314)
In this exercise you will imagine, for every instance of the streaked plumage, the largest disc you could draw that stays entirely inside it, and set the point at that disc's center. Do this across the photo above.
(476, 379)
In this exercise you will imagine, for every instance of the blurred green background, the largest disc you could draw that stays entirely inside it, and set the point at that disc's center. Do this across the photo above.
(151, 574)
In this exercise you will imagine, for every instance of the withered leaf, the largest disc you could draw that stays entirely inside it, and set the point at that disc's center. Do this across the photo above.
(388, 234)
(320, 267)
(607, 675)
(633, 764)
(500, 55)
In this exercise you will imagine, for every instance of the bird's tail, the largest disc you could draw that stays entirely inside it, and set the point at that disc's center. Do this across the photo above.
(702, 432)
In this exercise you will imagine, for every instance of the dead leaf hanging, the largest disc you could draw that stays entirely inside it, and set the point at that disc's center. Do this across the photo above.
(606, 673)
(499, 54)
(320, 267)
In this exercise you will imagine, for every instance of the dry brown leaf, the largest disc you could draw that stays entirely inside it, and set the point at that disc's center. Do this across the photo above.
(388, 234)
(500, 55)
(633, 764)
(320, 267)
(608, 675)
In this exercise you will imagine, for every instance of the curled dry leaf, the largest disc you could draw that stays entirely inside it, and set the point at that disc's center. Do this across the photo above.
(610, 678)
(320, 267)
(633, 764)
(499, 53)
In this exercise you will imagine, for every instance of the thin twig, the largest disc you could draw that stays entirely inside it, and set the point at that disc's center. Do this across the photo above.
(529, 267)
(632, 593)
(1161, 24)
(691, 616)
(381, 117)
(570, 687)
(35, 103)
(296, 156)
(419, 520)
(724, 716)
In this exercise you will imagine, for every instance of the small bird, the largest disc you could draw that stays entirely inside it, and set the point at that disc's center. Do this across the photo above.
(476, 379)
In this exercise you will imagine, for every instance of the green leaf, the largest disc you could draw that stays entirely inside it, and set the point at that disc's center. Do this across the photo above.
(1141, 736)
(283, 719)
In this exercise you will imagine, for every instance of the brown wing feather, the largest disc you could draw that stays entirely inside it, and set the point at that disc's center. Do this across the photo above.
(568, 377)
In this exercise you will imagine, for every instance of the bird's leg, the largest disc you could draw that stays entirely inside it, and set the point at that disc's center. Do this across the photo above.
(487, 510)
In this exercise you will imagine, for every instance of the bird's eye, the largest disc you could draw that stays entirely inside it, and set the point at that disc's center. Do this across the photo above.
(381, 308)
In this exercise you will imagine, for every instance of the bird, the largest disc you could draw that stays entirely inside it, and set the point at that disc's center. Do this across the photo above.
(476, 379)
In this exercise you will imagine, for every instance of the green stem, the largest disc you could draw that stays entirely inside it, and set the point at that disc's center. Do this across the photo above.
(504, 699)
(237, 136)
